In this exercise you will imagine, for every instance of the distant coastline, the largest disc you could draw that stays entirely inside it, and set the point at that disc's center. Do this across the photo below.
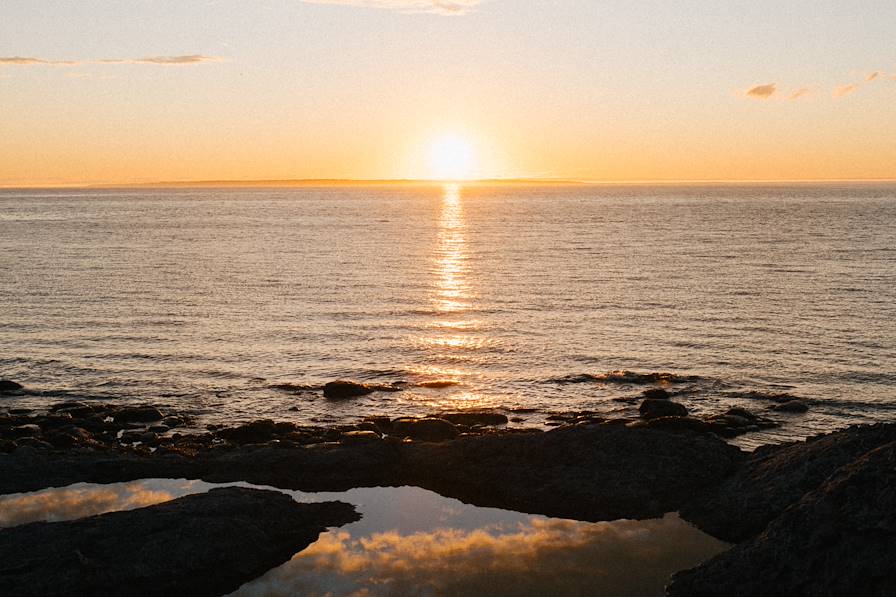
(409, 182)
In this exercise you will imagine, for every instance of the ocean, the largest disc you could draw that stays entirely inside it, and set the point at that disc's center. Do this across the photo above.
(235, 304)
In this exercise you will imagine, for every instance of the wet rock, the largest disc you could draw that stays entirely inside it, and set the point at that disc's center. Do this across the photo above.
(360, 437)
(474, 418)
(75, 409)
(69, 437)
(791, 406)
(428, 430)
(34, 442)
(159, 428)
(383, 424)
(742, 413)
(839, 539)
(205, 544)
(172, 422)
(256, 432)
(652, 408)
(7, 386)
(656, 394)
(138, 414)
(341, 390)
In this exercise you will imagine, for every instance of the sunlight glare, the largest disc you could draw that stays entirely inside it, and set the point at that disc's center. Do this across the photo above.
(452, 158)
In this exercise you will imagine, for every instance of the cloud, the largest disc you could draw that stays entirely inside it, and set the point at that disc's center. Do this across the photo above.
(540, 557)
(762, 92)
(799, 93)
(159, 60)
(26, 61)
(844, 90)
(874, 75)
(442, 7)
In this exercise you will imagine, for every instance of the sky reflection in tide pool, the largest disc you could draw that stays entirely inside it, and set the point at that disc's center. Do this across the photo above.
(415, 542)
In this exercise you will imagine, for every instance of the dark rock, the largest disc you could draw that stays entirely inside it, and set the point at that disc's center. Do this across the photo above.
(792, 406)
(651, 408)
(679, 424)
(139, 414)
(159, 428)
(839, 539)
(341, 390)
(34, 442)
(775, 477)
(28, 430)
(428, 430)
(75, 409)
(474, 418)
(742, 413)
(7, 386)
(172, 422)
(205, 544)
(69, 437)
(656, 394)
(256, 432)
(438, 384)
(360, 437)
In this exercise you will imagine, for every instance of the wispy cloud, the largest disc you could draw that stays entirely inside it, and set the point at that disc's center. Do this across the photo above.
(844, 90)
(874, 75)
(442, 7)
(762, 92)
(799, 93)
(158, 60)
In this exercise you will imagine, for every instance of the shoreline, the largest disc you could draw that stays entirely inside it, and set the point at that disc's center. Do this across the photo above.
(587, 468)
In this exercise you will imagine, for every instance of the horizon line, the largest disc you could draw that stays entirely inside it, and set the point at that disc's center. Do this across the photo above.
(347, 182)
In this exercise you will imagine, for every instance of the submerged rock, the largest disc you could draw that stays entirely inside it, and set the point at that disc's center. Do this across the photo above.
(652, 408)
(791, 406)
(204, 544)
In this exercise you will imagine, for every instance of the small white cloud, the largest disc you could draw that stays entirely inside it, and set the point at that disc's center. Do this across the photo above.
(799, 93)
(442, 7)
(159, 60)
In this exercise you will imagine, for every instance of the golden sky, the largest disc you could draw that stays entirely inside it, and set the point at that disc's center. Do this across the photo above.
(100, 91)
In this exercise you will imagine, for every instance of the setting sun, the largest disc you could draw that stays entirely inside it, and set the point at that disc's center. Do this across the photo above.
(451, 158)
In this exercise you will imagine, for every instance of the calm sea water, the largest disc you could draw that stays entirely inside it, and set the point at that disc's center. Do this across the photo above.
(209, 299)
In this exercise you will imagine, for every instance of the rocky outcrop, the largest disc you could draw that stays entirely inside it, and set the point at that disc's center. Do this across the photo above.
(7, 386)
(204, 544)
(838, 539)
(652, 408)
(342, 390)
(471, 418)
(775, 477)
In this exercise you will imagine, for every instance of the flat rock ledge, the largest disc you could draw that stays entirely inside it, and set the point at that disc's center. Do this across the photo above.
(203, 544)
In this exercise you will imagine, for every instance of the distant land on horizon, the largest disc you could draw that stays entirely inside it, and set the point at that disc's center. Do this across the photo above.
(349, 182)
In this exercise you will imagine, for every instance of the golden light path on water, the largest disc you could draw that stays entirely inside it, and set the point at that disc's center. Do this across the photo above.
(456, 334)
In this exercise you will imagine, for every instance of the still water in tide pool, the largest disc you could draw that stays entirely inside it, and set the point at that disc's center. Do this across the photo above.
(411, 541)
(237, 304)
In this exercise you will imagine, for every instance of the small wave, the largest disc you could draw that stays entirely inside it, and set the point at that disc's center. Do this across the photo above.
(438, 384)
(293, 387)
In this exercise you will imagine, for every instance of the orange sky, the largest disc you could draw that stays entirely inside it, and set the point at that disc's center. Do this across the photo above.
(364, 89)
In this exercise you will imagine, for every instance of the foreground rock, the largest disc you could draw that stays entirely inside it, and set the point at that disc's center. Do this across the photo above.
(775, 477)
(658, 407)
(342, 390)
(205, 544)
(839, 539)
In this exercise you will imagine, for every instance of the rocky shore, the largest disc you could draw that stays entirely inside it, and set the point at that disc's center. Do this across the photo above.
(809, 518)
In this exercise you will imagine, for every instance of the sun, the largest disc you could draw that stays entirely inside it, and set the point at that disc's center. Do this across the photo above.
(451, 157)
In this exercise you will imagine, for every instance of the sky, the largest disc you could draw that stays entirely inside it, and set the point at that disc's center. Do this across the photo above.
(607, 90)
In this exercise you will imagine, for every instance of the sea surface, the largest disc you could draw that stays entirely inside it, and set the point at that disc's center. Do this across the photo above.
(239, 303)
